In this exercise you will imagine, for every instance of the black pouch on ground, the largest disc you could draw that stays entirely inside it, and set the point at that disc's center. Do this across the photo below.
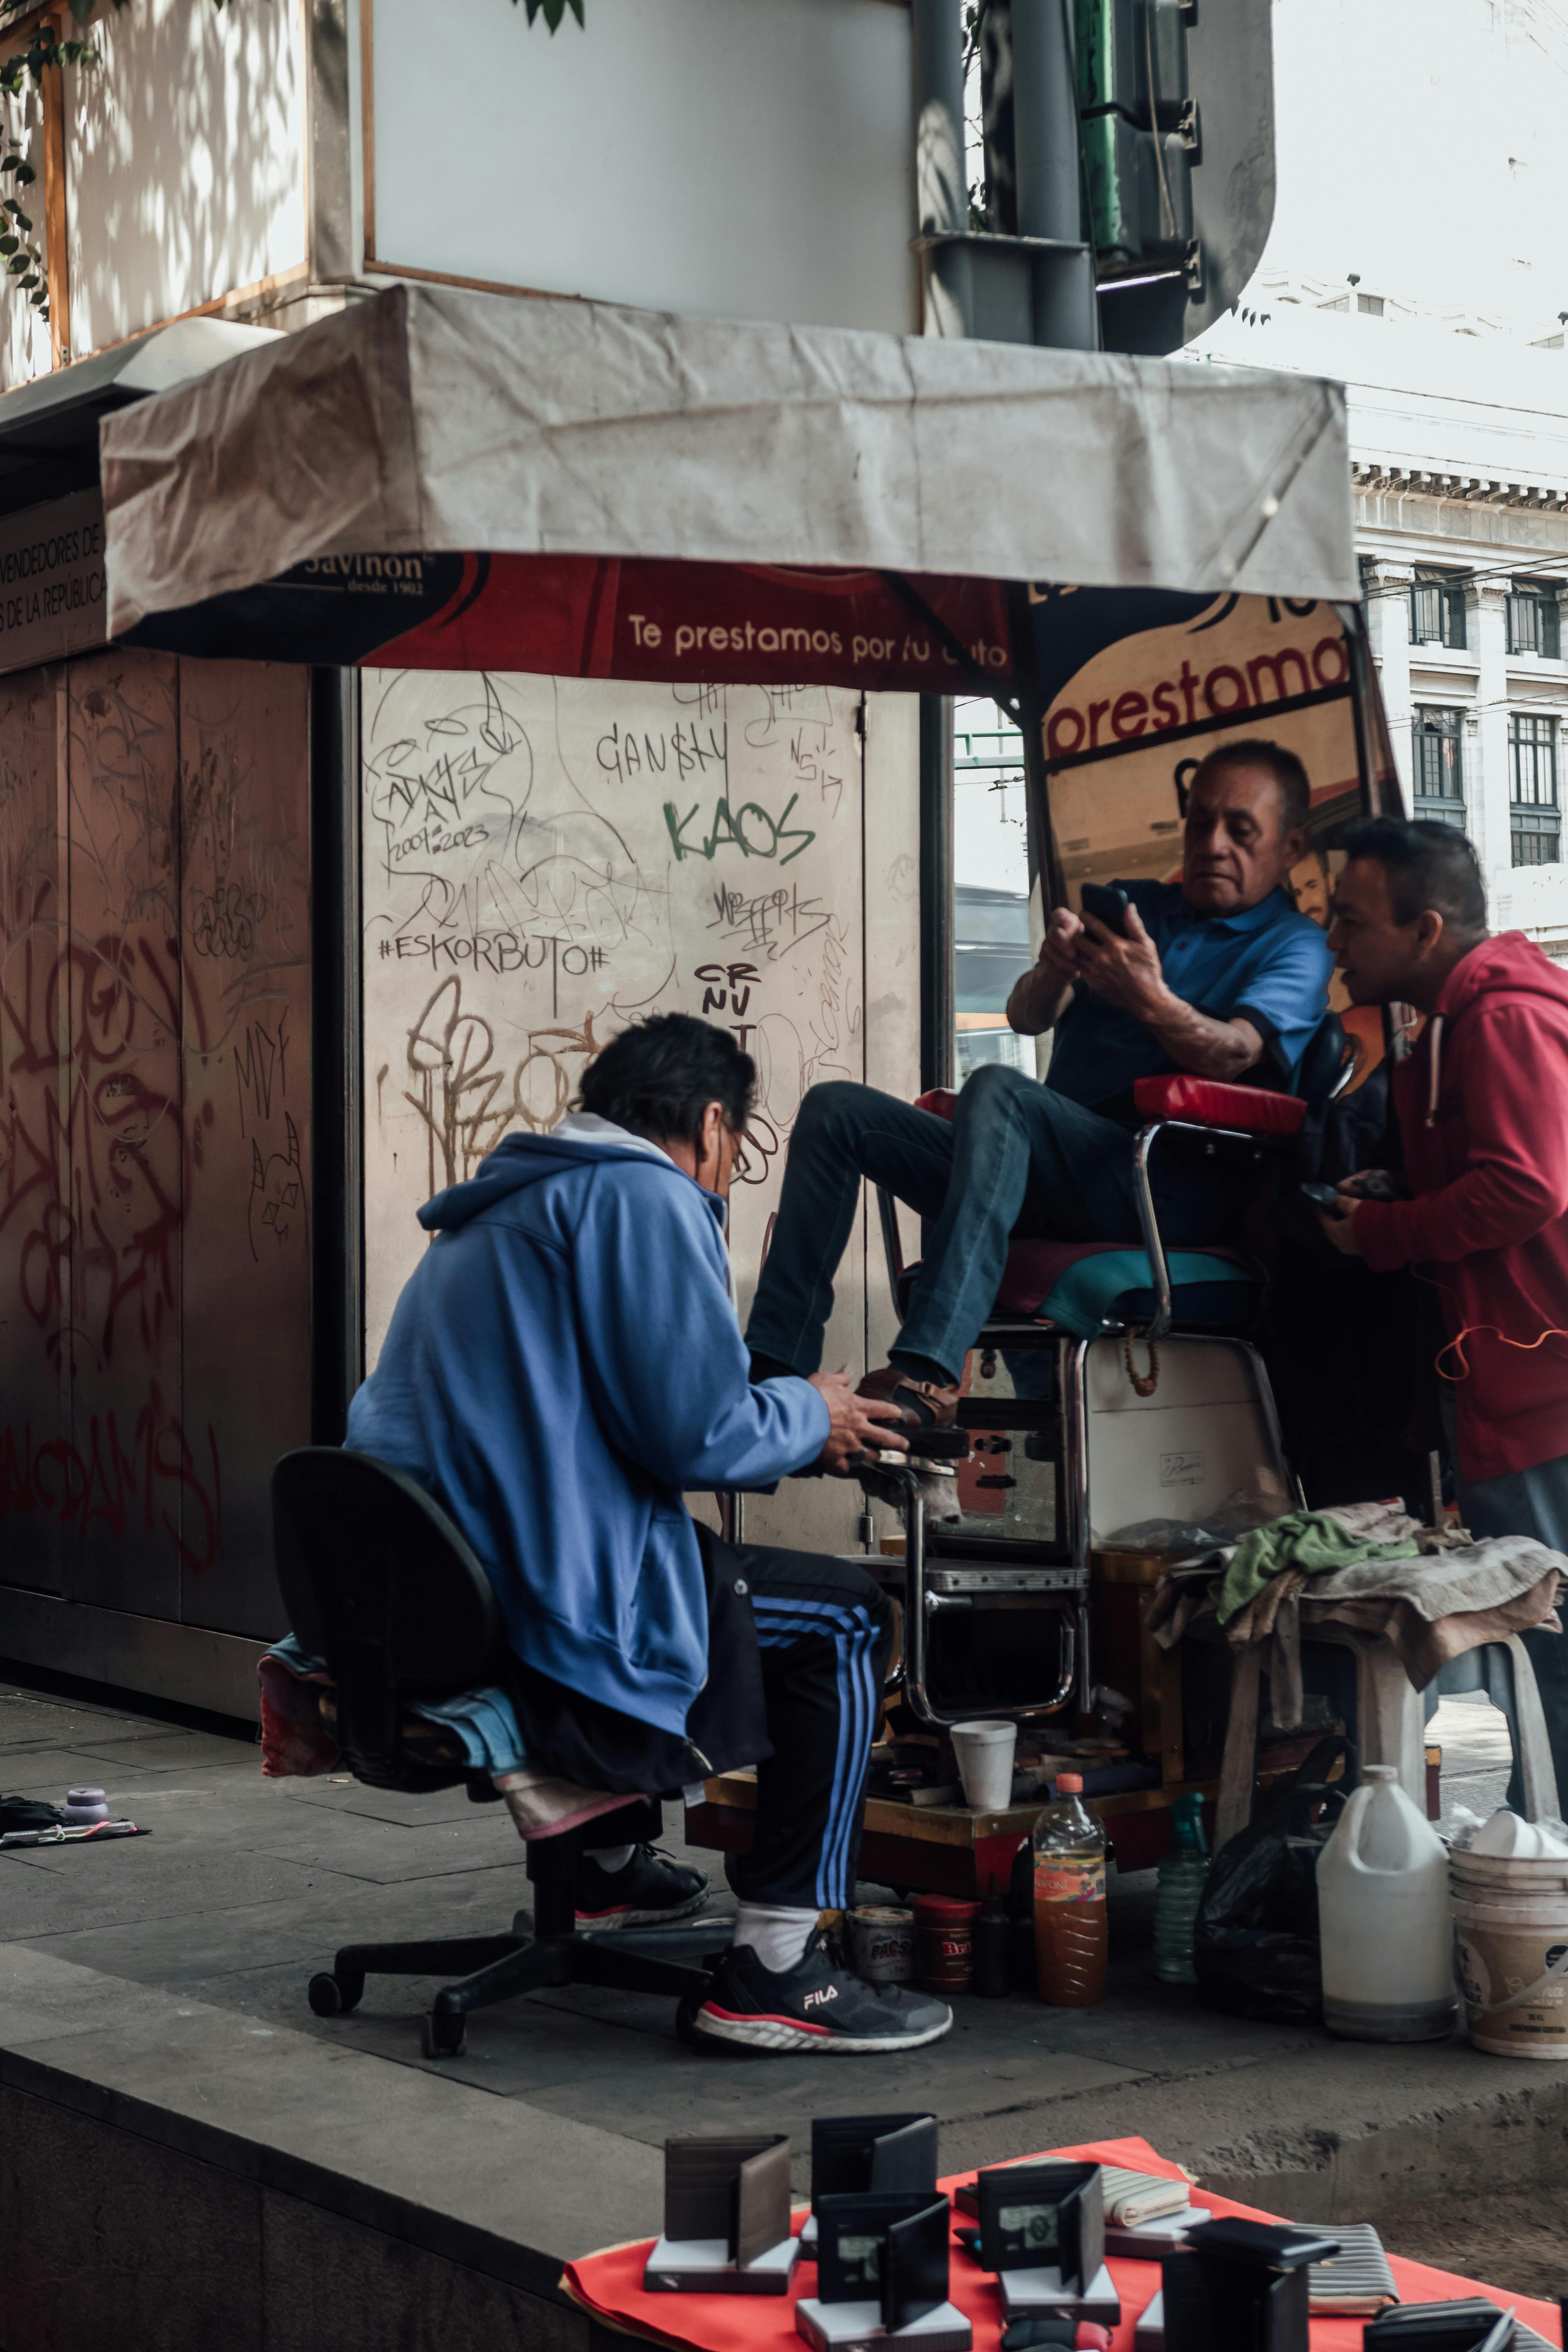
(1254, 1946)
(28, 1814)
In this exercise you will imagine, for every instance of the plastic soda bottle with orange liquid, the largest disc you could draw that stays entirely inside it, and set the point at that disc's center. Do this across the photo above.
(1070, 1933)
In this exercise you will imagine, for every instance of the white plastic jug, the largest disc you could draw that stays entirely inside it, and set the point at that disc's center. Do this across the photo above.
(1383, 1921)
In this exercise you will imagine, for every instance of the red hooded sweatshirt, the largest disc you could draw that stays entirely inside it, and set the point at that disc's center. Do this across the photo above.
(1483, 1112)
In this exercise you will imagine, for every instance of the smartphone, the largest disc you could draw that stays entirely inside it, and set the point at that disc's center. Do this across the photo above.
(1322, 1196)
(1107, 904)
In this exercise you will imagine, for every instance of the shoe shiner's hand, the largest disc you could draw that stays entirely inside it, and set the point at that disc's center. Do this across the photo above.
(860, 1424)
(1339, 1224)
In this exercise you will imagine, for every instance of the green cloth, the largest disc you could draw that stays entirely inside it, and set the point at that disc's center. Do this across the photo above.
(1309, 1540)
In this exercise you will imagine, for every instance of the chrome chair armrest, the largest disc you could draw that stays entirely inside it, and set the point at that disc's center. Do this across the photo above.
(1144, 1197)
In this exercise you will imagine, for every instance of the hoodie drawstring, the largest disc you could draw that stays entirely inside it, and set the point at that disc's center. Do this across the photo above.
(1434, 1068)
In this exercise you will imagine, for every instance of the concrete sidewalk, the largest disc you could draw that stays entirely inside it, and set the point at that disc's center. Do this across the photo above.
(156, 1986)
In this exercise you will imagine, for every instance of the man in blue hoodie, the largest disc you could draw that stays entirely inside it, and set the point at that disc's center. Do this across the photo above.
(565, 1362)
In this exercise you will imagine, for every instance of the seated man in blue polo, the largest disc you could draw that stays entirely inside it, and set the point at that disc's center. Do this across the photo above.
(1217, 974)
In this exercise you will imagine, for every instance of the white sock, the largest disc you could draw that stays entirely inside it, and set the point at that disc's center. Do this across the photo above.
(609, 1857)
(775, 1933)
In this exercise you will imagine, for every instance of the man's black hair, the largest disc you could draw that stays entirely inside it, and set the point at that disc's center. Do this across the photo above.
(1257, 751)
(1427, 864)
(657, 1078)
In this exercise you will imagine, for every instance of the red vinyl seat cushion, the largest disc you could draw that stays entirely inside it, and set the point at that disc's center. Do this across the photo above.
(1205, 1102)
(1208, 1102)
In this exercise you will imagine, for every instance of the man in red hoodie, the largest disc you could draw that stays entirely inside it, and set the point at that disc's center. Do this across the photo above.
(1482, 1105)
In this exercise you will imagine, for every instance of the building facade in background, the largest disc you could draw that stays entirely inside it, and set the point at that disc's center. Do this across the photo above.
(1438, 293)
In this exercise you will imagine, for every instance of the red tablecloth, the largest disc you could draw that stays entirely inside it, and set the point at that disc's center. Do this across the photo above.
(610, 2285)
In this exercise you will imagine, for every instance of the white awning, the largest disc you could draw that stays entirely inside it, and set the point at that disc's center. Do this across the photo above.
(434, 420)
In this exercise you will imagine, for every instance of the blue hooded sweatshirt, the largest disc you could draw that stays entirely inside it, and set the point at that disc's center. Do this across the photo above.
(565, 1359)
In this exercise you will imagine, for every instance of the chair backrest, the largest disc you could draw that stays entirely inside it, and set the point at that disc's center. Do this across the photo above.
(379, 1583)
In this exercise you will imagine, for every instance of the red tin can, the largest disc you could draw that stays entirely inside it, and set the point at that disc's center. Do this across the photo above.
(944, 1942)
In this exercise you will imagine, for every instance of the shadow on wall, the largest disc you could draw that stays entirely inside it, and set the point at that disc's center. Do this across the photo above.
(24, 347)
(185, 162)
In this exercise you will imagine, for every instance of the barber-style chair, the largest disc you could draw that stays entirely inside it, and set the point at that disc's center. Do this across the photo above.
(381, 1585)
(1073, 1438)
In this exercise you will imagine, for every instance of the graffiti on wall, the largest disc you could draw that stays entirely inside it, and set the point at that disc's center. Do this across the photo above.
(547, 860)
(142, 1018)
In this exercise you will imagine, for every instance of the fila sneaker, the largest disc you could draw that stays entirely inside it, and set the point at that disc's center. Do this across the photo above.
(814, 2006)
(644, 1893)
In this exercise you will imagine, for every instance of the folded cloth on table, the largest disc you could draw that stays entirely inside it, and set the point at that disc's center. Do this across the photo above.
(485, 1736)
(1431, 1608)
(1485, 1575)
(1424, 1645)
(1312, 1541)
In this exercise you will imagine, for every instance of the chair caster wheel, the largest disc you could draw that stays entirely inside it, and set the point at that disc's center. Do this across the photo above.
(333, 1996)
(442, 2036)
(523, 1923)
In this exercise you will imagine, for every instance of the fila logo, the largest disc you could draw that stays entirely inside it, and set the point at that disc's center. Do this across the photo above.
(814, 2000)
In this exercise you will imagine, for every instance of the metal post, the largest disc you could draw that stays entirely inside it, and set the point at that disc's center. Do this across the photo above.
(942, 191)
(1046, 148)
(939, 992)
(337, 1210)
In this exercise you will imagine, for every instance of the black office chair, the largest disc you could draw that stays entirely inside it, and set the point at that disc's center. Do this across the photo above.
(379, 1583)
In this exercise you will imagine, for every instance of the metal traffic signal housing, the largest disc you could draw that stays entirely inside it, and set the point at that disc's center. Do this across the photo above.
(1173, 187)
(1139, 133)
(1176, 120)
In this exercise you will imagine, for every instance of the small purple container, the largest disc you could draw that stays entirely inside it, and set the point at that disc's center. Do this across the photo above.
(84, 1806)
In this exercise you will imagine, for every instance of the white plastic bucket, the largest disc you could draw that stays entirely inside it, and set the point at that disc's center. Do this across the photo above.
(984, 1751)
(1511, 1953)
(1383, 1920)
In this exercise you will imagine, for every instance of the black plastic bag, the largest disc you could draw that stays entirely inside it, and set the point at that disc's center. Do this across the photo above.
(28, 1814)
(1254, 1947)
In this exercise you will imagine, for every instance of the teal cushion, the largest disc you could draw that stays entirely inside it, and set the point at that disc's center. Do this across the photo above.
(1203, 1286)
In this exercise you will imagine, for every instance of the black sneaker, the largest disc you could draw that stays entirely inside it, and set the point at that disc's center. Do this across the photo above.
(644, 1891)
(814, 2006)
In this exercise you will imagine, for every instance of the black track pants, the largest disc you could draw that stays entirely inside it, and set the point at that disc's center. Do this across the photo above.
(823, 1629)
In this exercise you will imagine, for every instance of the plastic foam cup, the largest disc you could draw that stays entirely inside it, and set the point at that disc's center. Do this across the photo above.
(984, 1753)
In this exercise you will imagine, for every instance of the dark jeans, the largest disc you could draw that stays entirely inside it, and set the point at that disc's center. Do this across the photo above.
(1017, 1160)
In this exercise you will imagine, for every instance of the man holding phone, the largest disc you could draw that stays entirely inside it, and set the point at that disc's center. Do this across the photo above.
(1217, 974)
(1480, 1208)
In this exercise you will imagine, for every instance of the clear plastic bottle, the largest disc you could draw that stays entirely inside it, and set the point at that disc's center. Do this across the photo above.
(1184, 1873)
(1070, 1935)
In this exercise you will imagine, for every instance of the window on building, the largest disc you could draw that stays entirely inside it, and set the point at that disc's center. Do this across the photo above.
(1438, 610)
(990, 840)
(1369, 306)
(1534, 626)
(1534, 819)
(1439, 763)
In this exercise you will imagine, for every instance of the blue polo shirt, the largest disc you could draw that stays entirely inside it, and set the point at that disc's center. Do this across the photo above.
(1269, 963)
